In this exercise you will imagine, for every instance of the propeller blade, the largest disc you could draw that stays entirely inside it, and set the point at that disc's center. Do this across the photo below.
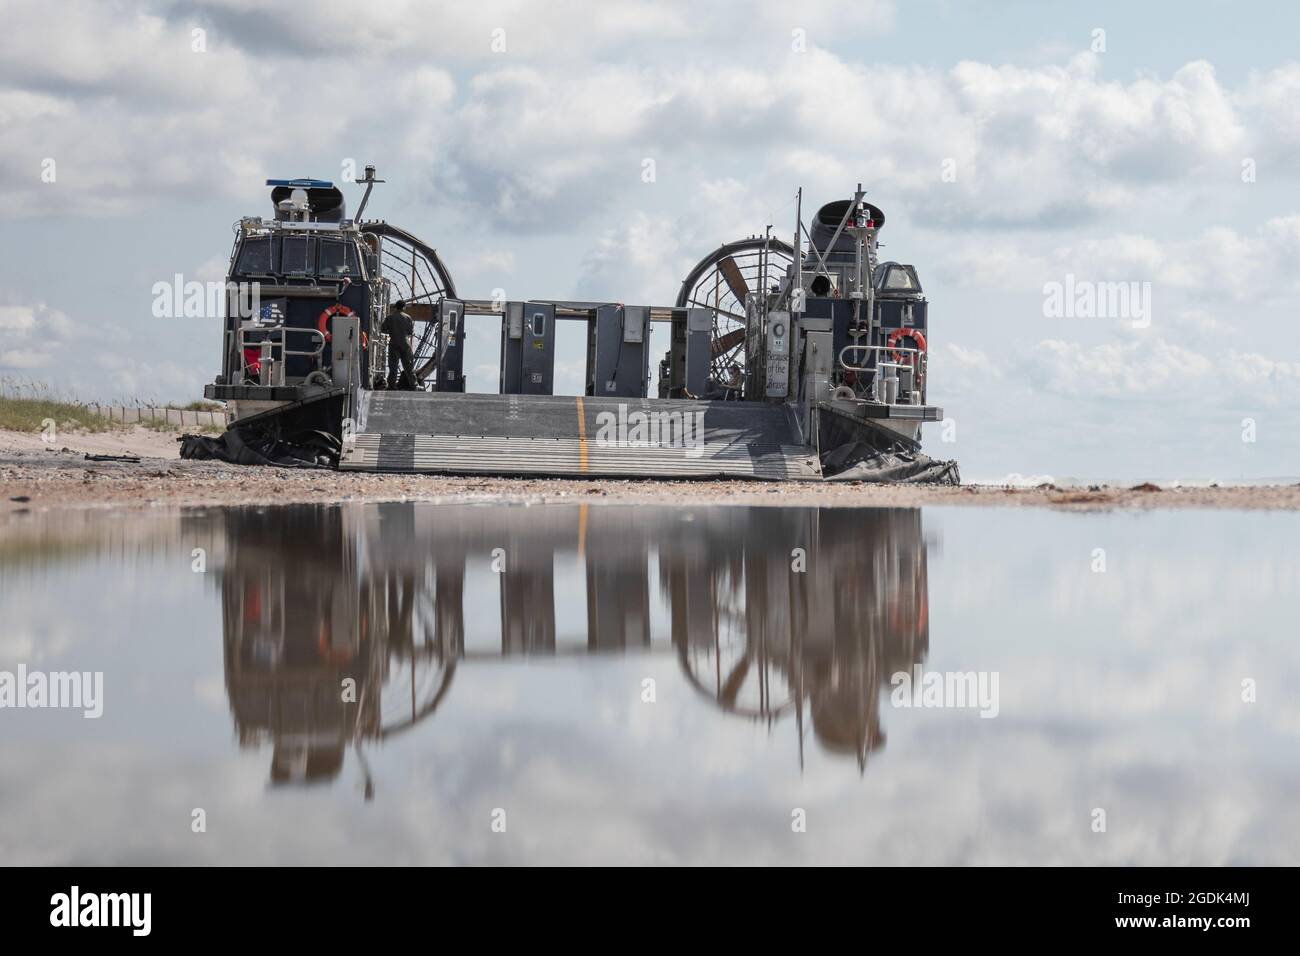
(720, 311)
(731, 687)
(725, 343)
(734, 278)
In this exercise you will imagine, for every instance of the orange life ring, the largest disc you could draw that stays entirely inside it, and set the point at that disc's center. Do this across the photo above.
(892, 342)
(323, 323)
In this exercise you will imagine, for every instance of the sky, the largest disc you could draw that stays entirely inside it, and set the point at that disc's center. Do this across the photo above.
(1021, 151)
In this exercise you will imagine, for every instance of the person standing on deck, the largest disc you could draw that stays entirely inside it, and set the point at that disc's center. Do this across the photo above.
(399, 328)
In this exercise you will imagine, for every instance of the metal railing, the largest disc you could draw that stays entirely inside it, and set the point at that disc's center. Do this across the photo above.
(275, 351)
(885, 372)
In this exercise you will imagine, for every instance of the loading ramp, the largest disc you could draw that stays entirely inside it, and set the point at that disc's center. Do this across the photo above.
(572, 436)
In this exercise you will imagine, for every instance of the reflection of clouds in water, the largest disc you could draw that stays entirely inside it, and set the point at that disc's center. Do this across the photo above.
(1122, 694)
(210, 692)
(17, 648)
(1191, 559)
(36, 632)
(953, 791)
(1191, 603)
(86, 610)
(1177, 691)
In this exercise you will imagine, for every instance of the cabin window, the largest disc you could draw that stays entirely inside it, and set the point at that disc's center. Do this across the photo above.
(338, 259)
(255, 257)
(900, 279)
(298, 258)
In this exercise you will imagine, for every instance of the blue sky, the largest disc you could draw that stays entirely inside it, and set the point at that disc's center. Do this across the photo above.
(523, 166)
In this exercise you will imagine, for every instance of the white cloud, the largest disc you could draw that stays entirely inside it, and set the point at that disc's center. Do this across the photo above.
(634, 261)
(574, 29)
(211, 270)
(535, 140)
(1218, 264)
(1273, 97)
(131, 114)
(31, 335)
(17, 320)
(133, 378)
(41, 338)
(1119, 370)
(22, 359)
(1138, 370)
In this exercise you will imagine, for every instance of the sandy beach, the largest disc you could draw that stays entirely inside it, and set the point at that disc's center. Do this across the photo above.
(39, 475)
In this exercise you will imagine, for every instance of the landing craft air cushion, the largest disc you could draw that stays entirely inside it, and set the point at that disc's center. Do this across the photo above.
(784, 362)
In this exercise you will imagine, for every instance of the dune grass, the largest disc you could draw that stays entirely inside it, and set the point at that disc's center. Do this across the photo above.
(28, 405)
(32, 415)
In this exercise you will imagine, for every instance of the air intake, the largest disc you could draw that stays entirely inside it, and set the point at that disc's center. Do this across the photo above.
(828, 220)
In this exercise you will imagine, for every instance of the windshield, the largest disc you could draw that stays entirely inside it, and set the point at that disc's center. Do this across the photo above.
(338, 259)
(255, 257)
(299, 255)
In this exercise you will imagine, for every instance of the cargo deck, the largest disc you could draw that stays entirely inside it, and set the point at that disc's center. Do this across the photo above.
(576, 435)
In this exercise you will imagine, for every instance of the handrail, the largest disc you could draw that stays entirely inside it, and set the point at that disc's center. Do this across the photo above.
(875, 348)
(920, 378)
(283, 330)
(285, 352)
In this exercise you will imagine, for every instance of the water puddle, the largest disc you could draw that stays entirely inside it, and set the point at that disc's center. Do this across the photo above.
(416, 683)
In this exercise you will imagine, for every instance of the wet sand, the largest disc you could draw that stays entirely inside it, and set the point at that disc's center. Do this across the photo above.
(38, 476)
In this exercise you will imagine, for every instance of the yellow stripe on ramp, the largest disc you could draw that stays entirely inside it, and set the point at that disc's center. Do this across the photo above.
(582, 436)
(582, 531)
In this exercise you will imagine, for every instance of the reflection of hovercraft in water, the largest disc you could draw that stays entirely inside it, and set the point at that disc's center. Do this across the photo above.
(313, 665)
(823, 641)
(345, 626)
